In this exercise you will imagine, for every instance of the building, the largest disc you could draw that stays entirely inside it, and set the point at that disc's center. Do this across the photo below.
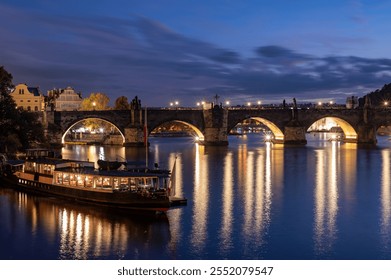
(64, 99)
(28, 98)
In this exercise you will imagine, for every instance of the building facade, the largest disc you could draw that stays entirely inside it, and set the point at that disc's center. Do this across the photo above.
(28, 98)
(64, 99)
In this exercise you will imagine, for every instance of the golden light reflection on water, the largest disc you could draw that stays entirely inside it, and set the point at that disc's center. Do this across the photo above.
(256, 173)
(69, 231)
(228, 196)
(326, 198)
(201, 200)
(176, 216)
(385, 200)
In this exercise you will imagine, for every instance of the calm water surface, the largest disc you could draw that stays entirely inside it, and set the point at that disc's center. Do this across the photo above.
(250, 200)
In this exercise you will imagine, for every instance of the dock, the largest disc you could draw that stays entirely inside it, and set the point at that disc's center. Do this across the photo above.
(178, 201)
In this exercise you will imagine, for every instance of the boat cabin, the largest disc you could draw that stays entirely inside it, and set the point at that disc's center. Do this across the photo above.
(82, 174)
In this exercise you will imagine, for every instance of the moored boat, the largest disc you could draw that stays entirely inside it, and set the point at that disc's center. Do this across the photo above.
(136, 189)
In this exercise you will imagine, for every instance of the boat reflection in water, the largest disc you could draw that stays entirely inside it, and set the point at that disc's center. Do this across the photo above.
(65, 230)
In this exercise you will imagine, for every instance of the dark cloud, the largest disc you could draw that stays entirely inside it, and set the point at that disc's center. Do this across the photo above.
(274, 51)
(140, 56)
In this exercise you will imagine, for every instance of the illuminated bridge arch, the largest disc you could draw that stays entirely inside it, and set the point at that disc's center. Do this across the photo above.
(72, 124)
(198, 133)
(278, 135)
(349, 131)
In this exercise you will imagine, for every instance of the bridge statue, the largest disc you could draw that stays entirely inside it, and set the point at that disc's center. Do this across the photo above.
(135, 104)
(294, 111)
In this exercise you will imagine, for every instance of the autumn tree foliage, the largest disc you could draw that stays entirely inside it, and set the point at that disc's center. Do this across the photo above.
(96, 101)
(121, 103)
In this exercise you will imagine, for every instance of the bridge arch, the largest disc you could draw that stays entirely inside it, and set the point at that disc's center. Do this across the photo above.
(198, 133)
(278, 135)
(349, 131)
(75, 122)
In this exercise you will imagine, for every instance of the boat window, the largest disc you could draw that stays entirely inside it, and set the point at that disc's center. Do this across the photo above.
(115, 182)
(124, 181)
(89, 181)
(80, 181)
(148, 182)
(29, 166)
(59, 178)
(73, 180)
(46, 169)
(66, 179)
(106, 181)
(133, 181)
(99, 181)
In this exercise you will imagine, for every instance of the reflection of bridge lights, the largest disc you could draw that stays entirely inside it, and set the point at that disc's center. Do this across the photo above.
(335, 137)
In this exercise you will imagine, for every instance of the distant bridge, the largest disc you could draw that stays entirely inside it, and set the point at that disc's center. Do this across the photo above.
(288, 125)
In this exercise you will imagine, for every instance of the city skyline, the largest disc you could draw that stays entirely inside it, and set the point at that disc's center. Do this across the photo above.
(191, 51)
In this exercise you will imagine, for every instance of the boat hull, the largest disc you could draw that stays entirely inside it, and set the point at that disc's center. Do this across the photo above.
(118, 200)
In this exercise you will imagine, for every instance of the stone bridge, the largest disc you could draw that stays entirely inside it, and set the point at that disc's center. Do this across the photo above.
(213, 125)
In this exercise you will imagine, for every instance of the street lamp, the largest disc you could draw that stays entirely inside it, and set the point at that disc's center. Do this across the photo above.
(93, 105)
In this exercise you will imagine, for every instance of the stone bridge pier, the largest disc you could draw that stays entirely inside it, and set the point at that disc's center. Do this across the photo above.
(215, 130)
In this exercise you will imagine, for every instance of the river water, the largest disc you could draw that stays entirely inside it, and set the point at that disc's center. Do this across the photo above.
(250, 200)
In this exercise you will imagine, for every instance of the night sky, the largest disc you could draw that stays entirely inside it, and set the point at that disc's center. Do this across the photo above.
(162, 51)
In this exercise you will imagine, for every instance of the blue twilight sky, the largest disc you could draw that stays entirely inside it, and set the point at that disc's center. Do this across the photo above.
(166, 50)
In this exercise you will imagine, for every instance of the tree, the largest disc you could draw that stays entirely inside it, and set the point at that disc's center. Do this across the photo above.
(121, 103)
(8, 110)
(7, 105)
(19, 129)
(30, 129)
(96, 101)
(379, 97)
